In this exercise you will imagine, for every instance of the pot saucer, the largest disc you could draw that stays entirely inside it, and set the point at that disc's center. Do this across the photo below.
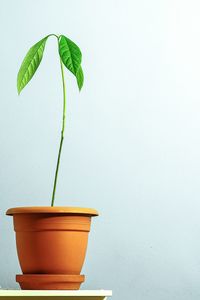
(49, 281)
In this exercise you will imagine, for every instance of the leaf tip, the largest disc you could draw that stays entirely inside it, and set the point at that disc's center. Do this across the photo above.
(18, 90)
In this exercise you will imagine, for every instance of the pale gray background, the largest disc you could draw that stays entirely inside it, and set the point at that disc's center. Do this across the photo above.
(132, 147)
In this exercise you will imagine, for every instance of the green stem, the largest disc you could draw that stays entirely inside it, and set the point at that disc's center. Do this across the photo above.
(62, 133)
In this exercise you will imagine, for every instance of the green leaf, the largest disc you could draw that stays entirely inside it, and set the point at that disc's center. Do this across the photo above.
(30, 64)
(80, 78)
(70, 54)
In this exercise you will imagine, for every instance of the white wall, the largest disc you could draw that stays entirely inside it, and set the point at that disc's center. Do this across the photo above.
(132, 147)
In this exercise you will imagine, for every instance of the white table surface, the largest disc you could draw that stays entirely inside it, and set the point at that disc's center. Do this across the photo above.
(71, 295)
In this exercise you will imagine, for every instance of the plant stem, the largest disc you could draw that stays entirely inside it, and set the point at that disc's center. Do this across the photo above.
(62, 133)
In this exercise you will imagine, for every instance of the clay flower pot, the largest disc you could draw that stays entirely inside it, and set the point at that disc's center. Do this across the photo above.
(51, 240)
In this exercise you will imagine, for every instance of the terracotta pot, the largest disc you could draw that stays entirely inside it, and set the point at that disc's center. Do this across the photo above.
(51, 240)
(50, 282)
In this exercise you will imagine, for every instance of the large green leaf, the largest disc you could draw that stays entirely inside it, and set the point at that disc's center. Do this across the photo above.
(70, 54)
(80, 78)
(71, 57)
(30, 64)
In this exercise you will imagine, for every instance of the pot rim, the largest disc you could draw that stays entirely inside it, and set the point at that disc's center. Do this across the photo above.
(52, 210)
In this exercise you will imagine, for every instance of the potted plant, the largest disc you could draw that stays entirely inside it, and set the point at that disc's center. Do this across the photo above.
(52, 241)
